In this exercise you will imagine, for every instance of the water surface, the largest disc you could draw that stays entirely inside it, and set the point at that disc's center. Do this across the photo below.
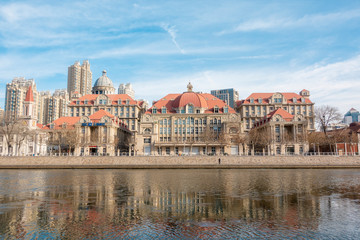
(180, 204)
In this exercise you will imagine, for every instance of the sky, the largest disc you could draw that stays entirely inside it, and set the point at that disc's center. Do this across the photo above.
(159, 46)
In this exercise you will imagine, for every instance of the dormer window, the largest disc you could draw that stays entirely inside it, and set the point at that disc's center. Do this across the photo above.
(100, 101)
(226, 109)
(163, 110)
(119, 101)
(294, 100)
(278, 100)
(78, 102)
(86, 101)
(127, 101)
(303, 100)
(251, 100)
(216, 109)
(260, 100)
(154, 110)
(190, 109)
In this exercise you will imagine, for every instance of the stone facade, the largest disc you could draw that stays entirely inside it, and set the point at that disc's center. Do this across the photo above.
(187, 124)
(255, 107)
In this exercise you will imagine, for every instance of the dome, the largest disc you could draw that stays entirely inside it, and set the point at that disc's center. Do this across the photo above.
(103, 81)
(190, 98)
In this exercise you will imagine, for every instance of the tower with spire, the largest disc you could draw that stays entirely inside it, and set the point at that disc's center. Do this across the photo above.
(28, 114)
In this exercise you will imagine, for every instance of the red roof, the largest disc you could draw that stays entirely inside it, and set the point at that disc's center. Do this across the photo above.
(190, 97)
(29, 95)
(69, 121)
(284, 114)
(203, 100)
(113, 97)
(266, 96)
(99, 114)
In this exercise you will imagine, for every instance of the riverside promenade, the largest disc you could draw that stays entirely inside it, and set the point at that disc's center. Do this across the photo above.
(180, 162)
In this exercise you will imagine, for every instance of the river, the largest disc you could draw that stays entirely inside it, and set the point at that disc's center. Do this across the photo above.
(180, 204)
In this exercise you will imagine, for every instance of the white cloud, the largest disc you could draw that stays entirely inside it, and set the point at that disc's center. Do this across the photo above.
(171, 30)
(334, 84)
(279, 22)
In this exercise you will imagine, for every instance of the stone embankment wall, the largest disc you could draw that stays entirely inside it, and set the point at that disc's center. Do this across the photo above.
(183, 162)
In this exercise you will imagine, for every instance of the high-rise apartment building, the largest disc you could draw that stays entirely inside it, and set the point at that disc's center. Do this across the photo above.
(229, 96)
(53, 106)
(79, 78)
(15, 97)
(126, 89)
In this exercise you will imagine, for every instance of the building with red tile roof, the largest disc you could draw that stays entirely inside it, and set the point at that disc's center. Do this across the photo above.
(187, 123)
(258, 105)
(98, 134)
(279, 132)
(119, 105)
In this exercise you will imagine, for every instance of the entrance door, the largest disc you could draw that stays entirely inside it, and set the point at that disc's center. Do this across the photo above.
(93, 151)
(195, 151)
(147, 150)
(234, 150)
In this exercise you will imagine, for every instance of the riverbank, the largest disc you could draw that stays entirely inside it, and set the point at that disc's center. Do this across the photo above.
(183, 162)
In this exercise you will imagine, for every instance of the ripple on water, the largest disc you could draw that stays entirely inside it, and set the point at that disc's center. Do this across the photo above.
(180, 204)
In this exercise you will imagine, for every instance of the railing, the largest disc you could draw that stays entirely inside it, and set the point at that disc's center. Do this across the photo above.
(191, 154)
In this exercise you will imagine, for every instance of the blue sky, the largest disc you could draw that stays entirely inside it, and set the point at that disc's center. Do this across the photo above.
(158, 46)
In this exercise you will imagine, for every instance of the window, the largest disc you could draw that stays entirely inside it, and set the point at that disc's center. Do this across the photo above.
(86, 102)
(83, 130)
(277, 128)
(278, 150)
(127, 101)
(216, 109)
(226, 110)
(190, 109)
(77, 102)
(163, 110)
(260, 100)
(147, 140)
(119, 101)
(251, 100)
(213, 150)
(154, 110)
(167, 150)
(177, 150)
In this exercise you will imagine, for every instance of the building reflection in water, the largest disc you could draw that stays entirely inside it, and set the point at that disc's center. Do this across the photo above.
(172, 203)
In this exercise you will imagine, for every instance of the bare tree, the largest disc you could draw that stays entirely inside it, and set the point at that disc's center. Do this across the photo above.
(325, 115)
(208, 136)
(15, 132)
(259, 138)
(71, 139)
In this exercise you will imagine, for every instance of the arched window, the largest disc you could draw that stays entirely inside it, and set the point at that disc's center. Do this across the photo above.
(190, 109)
(147, 131)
